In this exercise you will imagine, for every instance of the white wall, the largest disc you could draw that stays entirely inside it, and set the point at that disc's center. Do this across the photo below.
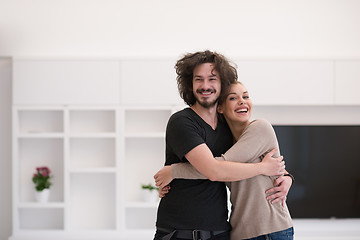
(5, 148)
(161, 28)
(249, 28)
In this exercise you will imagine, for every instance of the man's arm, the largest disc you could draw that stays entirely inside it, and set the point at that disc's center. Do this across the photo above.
(280, 190)
(220, 170)
(203, 160)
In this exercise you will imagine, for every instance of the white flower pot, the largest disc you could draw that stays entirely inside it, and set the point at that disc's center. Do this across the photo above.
(42, 196)
(150, 196)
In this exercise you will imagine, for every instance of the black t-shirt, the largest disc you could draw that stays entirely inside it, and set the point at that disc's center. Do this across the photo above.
(194, 204)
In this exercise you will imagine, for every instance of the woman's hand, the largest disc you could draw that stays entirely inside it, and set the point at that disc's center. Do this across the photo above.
(163, 191)
(273, 166)
(163, 177)
(280, 191)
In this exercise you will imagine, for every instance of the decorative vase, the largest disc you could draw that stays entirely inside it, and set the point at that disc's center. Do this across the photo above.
(150, 196)
(42, 196)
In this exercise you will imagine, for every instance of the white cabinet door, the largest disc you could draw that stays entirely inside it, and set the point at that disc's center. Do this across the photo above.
(149, 82)
(347, 82)
(65, 82)
(288, 82)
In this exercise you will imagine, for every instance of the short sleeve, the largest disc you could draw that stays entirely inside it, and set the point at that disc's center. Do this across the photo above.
(183, 134)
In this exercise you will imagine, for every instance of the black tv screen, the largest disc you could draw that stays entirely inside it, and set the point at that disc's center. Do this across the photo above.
(325, 161)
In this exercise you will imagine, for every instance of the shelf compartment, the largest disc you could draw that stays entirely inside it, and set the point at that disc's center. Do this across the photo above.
(34, 153)
(146, 120)
(92, 201)
(92, 121)
(41, 121)
(146, 221)
(41, 219)
(143, 158)
(92, 153)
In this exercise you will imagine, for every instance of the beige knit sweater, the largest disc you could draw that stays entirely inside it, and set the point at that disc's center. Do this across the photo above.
(251, 214)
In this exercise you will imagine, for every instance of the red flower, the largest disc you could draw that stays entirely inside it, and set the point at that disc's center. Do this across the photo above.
(42, 178)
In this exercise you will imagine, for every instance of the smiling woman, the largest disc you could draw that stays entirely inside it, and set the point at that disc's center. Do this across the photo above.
(236, 108)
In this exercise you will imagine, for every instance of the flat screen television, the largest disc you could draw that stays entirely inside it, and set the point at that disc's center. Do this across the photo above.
(325, 161)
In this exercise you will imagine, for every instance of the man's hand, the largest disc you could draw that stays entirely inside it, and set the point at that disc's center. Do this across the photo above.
(163, 177)
(280, 191)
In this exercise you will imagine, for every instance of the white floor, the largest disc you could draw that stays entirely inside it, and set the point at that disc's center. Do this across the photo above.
(332, 229)
(305, 229)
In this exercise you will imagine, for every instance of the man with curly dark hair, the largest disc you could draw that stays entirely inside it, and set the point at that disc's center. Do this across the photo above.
(197, 209)
(186, 65)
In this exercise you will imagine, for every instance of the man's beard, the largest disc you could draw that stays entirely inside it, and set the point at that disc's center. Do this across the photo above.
(205, 103)
(208, 104)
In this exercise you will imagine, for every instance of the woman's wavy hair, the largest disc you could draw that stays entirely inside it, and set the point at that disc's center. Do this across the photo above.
(185, 67)
(223, 97)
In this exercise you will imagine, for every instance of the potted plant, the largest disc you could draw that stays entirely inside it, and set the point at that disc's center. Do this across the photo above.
(150, 193)
(41, 179)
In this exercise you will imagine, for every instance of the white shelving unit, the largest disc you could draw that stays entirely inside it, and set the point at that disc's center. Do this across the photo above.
(144, 153)
(99, 157)
(38, 141)
(92, 164)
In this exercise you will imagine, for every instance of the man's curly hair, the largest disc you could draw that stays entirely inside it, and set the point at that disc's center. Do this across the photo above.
(185, 68)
